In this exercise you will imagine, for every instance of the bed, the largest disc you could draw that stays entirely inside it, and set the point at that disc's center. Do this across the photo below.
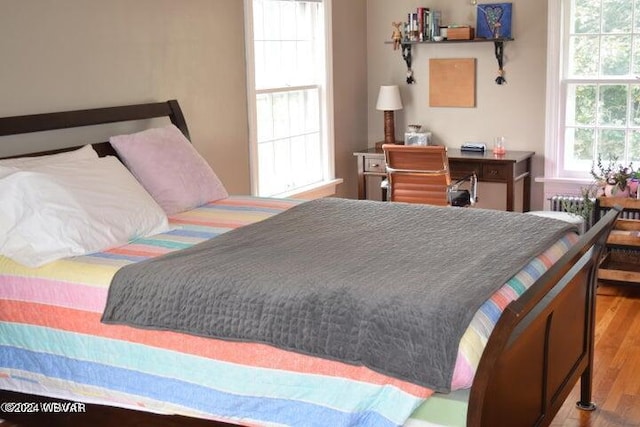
(59, 342)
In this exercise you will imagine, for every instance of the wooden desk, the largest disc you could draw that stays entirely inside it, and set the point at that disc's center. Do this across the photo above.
(507, 169)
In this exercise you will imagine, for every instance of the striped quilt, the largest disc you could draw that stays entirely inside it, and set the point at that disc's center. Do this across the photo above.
(52, 343)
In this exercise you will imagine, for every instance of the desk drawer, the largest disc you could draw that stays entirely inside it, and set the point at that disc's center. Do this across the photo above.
(374, 165)
(495, 173)
(459, 170)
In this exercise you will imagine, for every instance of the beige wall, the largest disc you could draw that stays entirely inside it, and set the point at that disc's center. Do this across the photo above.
(514, 110)
(350, 88)
(67, 54)
(70, 54)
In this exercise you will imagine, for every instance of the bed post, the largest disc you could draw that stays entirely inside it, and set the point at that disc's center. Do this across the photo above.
(177, 118)
(586, 379)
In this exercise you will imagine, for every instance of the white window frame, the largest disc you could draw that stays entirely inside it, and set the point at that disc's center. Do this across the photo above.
(329, 182)
(555, 181)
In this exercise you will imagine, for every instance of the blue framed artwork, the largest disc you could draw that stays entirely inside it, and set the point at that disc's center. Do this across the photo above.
(494, 21)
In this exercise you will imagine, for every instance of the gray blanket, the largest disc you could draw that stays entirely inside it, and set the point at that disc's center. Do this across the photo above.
(386, 285)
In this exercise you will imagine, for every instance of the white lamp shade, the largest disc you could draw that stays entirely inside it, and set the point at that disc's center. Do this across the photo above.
(389, 98)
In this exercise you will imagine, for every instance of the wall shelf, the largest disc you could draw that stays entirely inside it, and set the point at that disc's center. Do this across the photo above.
(501, 40)
(406, 50)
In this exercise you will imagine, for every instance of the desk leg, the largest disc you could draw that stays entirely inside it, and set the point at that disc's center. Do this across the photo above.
(511, 190)
(362, 179)
(526, 189)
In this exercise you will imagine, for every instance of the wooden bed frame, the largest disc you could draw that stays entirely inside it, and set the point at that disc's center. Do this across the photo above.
(541, 346)
(17, 125)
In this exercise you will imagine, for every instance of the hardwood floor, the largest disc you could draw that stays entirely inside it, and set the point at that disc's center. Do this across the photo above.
(616, 386)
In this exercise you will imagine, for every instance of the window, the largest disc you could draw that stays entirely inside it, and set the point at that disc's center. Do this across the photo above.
(288, 89)
(593, 84)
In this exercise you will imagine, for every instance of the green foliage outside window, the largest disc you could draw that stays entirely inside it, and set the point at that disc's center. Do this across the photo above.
(602, 83)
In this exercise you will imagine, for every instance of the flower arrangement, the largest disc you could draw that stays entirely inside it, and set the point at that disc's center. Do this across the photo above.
(615, 179)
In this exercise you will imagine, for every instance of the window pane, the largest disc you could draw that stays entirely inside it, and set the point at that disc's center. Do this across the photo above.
(616, 55)
(616, 17)
(260, 63)
(288, 113)
(306, 62)
(313, 145)
(280, 115)
(272, 24)
(613, 101)
(290, 145)
(312, 112)
(304, 18)
(296, 112)
(634, 149)
(636, 56)
(283, 174)
(299, 160)
(258, 20)
(264, 118)
(578, 149)
(266, 168)
(583, 56)
(290, 54)
(289, 21)
(579, 143)
(611, 144)
(635, 105)
(581, 104)
(584, 143)
(586, 16)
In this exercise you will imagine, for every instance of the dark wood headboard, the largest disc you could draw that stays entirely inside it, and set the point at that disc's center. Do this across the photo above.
(97, 116)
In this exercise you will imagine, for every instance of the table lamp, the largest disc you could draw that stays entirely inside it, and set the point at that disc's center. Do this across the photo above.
(389, 101)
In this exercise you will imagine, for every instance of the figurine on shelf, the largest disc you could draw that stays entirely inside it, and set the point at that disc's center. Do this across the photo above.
(396, 36)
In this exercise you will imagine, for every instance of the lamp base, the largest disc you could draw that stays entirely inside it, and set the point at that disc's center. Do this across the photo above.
(389, 128)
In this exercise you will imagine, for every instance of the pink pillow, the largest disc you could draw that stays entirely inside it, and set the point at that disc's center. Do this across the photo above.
(169, 168)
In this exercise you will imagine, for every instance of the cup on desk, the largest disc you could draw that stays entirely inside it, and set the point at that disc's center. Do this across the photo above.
(499, 147)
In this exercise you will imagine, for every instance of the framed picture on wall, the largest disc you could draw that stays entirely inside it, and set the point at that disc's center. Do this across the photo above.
(494, 21)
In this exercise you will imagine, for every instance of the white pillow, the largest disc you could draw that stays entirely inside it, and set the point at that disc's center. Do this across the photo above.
(49, 212)
(82, 153)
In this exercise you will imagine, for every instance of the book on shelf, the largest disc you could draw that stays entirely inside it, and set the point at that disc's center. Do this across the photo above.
(422, 25)
(434, 24)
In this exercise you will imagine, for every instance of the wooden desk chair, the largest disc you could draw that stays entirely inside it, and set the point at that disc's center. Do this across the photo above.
(419, 174)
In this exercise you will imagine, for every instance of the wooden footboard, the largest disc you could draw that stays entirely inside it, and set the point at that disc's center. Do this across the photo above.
(543, 343)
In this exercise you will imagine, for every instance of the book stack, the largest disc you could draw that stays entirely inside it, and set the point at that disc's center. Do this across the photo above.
(422, 25)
